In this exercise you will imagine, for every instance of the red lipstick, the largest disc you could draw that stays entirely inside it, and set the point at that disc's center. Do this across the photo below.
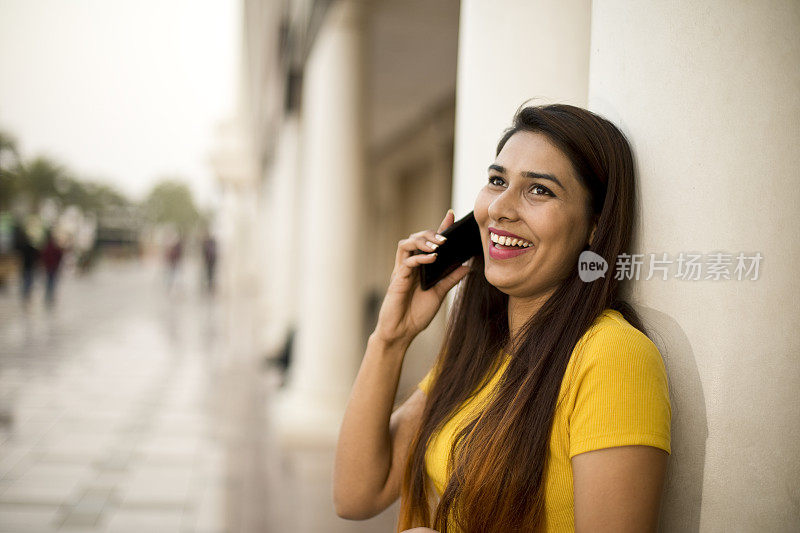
(506, 233)
(496, 252)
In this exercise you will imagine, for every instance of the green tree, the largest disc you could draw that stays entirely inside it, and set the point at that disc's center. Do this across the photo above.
(171, 201)
(40, 178)
(95, 197)
(9, 161)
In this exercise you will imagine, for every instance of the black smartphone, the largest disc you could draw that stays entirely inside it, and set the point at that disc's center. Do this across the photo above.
(463, 242)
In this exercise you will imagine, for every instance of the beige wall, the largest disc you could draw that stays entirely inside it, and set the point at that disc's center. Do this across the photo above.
(710, 97)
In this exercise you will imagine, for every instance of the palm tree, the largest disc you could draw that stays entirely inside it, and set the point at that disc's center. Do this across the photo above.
(9, 160)
(39, 179)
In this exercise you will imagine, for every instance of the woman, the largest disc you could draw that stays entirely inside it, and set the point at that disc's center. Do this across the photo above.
(548, 406)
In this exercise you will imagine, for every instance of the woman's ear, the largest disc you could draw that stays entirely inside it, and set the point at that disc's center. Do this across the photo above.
(594, 227)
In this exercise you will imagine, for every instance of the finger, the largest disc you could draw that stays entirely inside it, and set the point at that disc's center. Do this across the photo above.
(433, 237)
(450, 280)
(421, 242)
(415, 260)
(405, 247)
(406, 268)
(449, 218)
(424, 240)
(428, 241)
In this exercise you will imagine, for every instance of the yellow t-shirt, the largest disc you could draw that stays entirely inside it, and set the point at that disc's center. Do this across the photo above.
(614, 393)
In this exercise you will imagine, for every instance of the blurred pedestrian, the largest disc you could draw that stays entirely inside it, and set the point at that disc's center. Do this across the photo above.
(51, 257)
(174, 254)
(283, 358)
(210, 260)
(29, 255)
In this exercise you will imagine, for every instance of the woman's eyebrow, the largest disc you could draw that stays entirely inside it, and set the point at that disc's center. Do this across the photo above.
(530, 174)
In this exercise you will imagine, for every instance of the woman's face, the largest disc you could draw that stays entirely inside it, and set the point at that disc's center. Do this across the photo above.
(552, 216)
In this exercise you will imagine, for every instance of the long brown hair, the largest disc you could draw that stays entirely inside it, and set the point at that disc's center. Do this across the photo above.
(496, 467)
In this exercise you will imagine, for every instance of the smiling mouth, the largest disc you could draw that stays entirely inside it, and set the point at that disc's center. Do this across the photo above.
(500, 252)
(508, 243)
(504, 247)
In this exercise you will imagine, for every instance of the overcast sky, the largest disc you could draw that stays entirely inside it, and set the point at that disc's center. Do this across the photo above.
(119, 90)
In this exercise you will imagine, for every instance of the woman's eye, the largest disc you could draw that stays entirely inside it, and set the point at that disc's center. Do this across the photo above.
(543, 188)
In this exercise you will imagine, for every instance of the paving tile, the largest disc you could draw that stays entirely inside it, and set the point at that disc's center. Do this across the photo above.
(133, 412)
(108, 479)
(16, 518)
(83, 520)
(157, 486)
(11, 457)
(75, 446)
(52, 492)
(93, 501)
(45, 483)
(138, 521)
(211, 509)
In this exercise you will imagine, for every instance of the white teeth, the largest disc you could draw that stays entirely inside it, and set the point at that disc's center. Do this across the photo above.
(508, 241)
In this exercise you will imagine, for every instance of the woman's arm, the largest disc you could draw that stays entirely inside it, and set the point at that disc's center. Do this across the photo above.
(618, 489)
(371, 451)
(371, 448)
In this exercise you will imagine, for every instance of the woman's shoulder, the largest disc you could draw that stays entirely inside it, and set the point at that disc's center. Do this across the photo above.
(619, 391)
(614, 342)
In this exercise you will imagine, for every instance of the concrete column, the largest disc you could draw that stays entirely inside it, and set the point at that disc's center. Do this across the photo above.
(234, 164)
(280, 257)
(328, 346)
(510, 51)
(709, 98)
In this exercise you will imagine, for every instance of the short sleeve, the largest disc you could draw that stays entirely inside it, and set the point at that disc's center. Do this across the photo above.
(620, 393)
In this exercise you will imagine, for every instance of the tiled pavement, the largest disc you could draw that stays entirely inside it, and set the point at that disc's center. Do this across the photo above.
(129, 409)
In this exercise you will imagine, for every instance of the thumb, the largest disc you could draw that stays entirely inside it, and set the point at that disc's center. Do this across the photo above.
(450, 280)
(449, 218)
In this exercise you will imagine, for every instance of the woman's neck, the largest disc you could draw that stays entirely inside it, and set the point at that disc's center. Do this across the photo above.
(521, 309)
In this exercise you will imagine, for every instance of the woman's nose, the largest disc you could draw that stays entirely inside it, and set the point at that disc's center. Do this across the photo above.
(504, 206)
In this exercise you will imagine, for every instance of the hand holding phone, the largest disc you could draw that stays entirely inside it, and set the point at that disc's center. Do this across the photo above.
(463, 242)
(407, 309)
